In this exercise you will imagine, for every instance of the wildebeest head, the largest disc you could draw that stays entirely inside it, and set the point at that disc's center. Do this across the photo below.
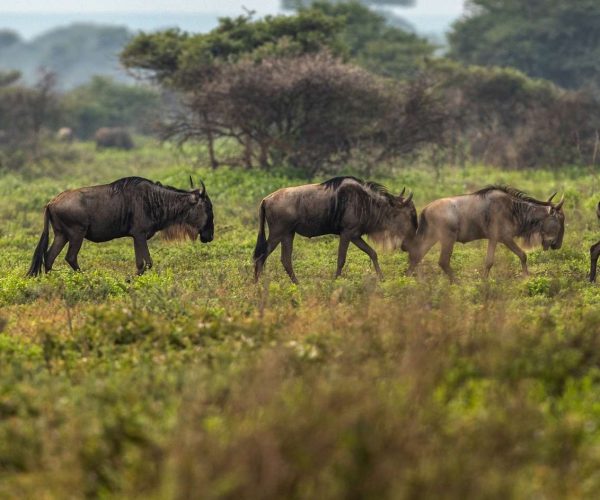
(553, 226)
(200, 217)
(401, 222)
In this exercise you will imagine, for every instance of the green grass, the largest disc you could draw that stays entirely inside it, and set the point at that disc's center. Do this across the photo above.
(191, 381)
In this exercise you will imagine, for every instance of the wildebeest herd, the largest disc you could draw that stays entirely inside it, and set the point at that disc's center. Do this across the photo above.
(343, 206)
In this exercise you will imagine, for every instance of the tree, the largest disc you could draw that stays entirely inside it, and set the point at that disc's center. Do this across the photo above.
(297, 4)
(558, 40)
(503, 117)
(184, 61)
(372, 42)
(105, 103)
(311, 111)
(24, 114)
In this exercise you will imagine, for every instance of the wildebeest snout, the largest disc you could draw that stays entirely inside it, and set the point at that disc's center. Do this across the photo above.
(207, 233)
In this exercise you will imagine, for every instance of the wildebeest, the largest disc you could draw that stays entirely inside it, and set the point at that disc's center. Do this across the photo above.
(132, 206)
(496, 213)
(346, 206)
(65, 134)
(113, 137)
(595, 252)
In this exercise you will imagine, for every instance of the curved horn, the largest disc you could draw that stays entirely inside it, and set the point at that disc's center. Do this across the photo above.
(408, 198)
(551, 197)
(559, 205)
(203, 188)
(402, 193)
(191, 182)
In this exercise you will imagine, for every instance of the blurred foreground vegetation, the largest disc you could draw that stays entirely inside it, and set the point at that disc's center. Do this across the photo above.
(191, 381)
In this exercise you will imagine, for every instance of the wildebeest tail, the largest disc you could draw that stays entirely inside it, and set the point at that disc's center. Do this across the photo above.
(598, 210)
(39, 256)
(261, 241)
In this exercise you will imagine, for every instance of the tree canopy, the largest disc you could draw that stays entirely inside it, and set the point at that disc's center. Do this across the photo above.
(183, 61)
(558, 40)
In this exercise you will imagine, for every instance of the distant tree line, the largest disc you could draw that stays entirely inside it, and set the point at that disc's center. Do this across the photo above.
(31, 115)
(336, 84)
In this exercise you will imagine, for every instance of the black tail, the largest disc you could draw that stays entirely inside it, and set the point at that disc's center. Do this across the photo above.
(260, 251)
(39, 256)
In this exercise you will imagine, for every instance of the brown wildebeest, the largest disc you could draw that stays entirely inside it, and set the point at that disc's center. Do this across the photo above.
(497, 213)
(595, 252)
(132, 207)
(345, 206)
(113, 137)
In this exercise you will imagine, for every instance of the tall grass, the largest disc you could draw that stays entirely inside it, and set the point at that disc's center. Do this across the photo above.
(191, 381)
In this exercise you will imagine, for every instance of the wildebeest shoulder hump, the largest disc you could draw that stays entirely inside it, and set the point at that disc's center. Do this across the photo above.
(515, 193)
(126, 183)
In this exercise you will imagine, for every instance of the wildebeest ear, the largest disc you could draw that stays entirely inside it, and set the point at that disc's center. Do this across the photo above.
(191, 182)
(551, 197)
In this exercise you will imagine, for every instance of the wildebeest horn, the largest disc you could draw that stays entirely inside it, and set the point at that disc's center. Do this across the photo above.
(191, 182)
(551, 197)
(203, 188)
(559, 205)
(402, 193)
(408, 198)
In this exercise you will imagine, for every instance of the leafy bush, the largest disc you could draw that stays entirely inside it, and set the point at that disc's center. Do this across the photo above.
(105, 103)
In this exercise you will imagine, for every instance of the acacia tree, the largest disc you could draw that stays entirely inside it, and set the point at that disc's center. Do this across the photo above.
(558, 40)
(277, 88)
(311, 111)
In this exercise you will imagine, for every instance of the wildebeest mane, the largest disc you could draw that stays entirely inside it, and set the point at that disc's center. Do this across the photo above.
(165, 205)
(336, 182)
(369, 200)
(126, 183)
(514, 193)
(525, 211)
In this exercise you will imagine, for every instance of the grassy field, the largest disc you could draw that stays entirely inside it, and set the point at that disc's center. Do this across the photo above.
(193, 382)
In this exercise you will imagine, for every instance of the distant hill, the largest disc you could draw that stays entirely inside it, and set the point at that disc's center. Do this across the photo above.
(75, 53)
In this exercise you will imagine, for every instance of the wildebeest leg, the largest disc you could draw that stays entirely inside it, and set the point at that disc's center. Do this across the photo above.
(489, 259)
(146, 255)
(60, 240)
(513, 247)
(140, 245)
(445, 255)
(342, 251)
(364, 246)
(75, 243)
(259, 264)
(287, 244)
(594, 254)
(417, 252)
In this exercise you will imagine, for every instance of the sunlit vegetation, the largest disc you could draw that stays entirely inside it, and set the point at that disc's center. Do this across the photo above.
(192, 381)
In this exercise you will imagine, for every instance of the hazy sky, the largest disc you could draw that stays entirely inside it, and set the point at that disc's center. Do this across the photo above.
(424, 7)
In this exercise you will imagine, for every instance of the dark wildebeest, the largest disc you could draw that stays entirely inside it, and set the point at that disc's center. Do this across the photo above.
(497, 213)
(113, 137)
(132, 207)
(345, 206)
(595, 252)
